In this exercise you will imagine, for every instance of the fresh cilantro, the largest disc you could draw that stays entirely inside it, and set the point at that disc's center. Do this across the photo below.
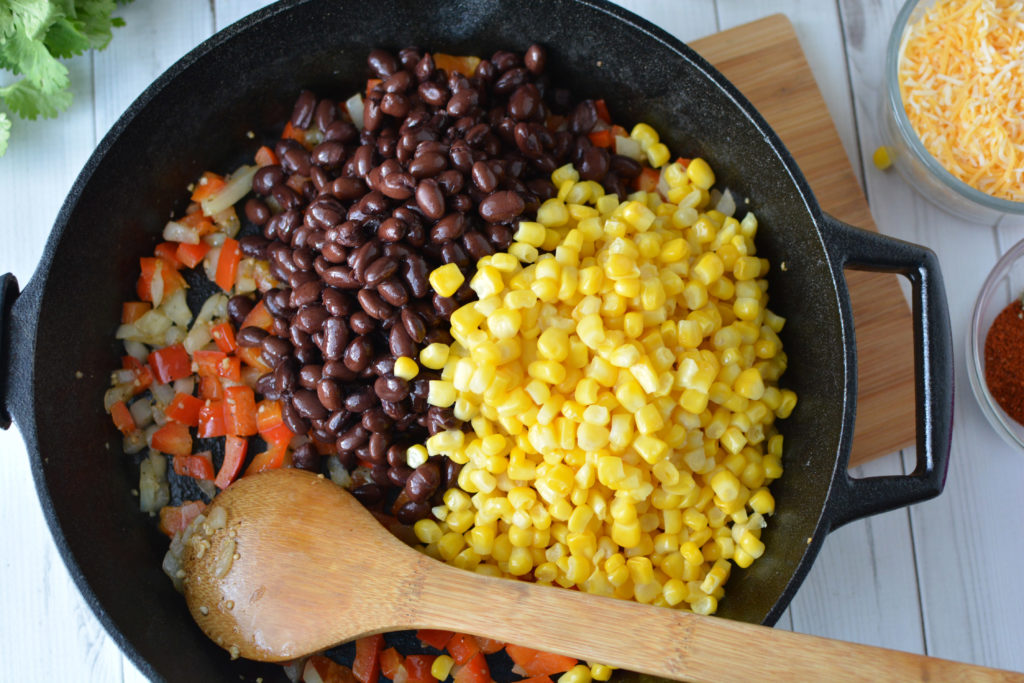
(34, 36)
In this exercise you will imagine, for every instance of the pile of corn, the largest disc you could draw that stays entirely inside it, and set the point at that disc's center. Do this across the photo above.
(619, 372)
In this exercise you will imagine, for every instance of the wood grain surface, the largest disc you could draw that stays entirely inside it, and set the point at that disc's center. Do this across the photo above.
(765, 61)
(939, 578)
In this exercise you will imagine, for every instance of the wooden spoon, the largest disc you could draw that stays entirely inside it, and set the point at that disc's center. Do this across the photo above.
(296, 565)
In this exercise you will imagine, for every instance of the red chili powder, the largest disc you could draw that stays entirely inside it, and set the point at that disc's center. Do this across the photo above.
(1004, 360)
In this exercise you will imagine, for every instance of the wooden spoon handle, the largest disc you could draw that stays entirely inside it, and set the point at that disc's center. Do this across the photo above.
(659, 641)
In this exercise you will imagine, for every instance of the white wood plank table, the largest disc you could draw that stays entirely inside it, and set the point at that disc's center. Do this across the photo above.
(939, 578)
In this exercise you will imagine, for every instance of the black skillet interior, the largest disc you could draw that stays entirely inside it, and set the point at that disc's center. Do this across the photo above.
(197, 117)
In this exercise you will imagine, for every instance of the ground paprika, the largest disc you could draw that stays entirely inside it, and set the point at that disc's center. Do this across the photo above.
(1004, 360)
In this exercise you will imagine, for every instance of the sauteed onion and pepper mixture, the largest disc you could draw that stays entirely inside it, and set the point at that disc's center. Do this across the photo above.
(531, 340)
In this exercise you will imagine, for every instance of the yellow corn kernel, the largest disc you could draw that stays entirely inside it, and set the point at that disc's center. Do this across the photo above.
(881, 158)
(553, 213)
(530, 232)
(657, 155)
(600, 672)
(638, 215)
(580, 673)
(648, 419)
(446, 279)
(441, 393)
(644, 134)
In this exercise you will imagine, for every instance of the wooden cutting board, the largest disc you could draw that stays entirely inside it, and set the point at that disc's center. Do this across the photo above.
(764, 60)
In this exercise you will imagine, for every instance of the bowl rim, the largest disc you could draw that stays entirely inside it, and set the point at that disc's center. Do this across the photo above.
(909, 135)
(993, 412)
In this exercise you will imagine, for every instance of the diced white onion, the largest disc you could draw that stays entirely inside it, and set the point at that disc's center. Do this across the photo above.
(238, 185)
(727, 204)
(136, 349)
(227, 221)
(185, 385)
(176, 308)
(152, 324)
(162, 393)
(310, 674)
(197, 337)
(176, 232)
(339, 475)
(154, 492)
(133, 442)
(216, 306)
(628, 147)
(174, 335)
(210, 263)
(118, 392)
(142, 413)
(354, 105)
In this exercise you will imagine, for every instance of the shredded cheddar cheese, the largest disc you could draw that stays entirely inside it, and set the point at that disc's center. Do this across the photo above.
(961, 75)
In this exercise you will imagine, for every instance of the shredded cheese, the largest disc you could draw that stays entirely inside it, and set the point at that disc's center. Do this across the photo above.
(961, 75)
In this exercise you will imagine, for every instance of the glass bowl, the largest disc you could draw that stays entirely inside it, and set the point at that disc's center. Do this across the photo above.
(1004, 284)
(921, 170)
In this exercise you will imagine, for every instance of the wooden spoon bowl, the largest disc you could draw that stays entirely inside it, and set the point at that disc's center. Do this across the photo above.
(288, 564)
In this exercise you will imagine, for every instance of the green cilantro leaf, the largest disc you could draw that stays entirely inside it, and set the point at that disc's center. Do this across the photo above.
(34, 36)
(29, 102)
(5, 132)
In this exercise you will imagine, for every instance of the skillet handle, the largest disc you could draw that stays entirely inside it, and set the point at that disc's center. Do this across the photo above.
(933, 371)
(8, 293)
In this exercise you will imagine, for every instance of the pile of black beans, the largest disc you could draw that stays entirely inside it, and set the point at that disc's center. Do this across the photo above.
(440, 171)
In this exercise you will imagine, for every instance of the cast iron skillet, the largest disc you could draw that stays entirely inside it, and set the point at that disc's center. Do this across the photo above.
(57, 336)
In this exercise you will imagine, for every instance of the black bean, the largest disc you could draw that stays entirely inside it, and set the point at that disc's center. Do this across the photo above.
(266, 177)
(374, 420)
(380, 270)
(239, 306)
(357, 354)
(373, 116)
(476, 245)
(401, 343)
(302, 113)
(341, 277)
(535, 59)
(394, 104)
(391, 230)
(413, 324)
(347, 189)
(525, 103)
(354, 437)
(293, 419)
(305, 457)
(423, 481)
(392, 291)
(336, 337)
(336, 302)
(250, 336)
(285, 196)
(379, 447)
(382, 63)
(275, 348)
(368, 494)
(449, 228)
(398, 476)
(412, 512)
(398, 186)
(329, 393)
(583, 117)
(256, 211)
(336, 369)
(360, 401)
(416, 273)
(594, 163)
(501, 207)
(430, 199)
(267, 386)
(373, 305)
(309, 375)
(452, 252)
(449, 473)
(362, 323)
(484, 177)
(462, 102)
(625, 166)
(510, 80)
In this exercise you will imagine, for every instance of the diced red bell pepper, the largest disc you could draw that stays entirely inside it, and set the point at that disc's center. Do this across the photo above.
(536, 679)
(473, 671)
(184, 408)
(328, 670)
(197, 220)
(210, 389)
(133, 310)
(390, 662)
(176, 519)
(143, 375)
(168, 251)
(488, 645)
(197, 466)
(209, 184)
(366, 665)
(191, 255)
(464, 65)
(227, 264)
(601, 138)
(647, 180)
(435, 638)
(270, 424)
(211, 420)
(235, 448)
(259, 317)
(153, 268)
(417, 668)
(536, 663)
(240, 411)
(170, 363)
(463, 647)
(122, 417)
(250, 355)
(275, 457)
(173, 438)
(265, 156)
(602, 111)
(218, 364)
(224, 335)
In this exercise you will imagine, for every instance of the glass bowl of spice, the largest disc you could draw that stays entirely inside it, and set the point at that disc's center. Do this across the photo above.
(995, 347)
(953, 119)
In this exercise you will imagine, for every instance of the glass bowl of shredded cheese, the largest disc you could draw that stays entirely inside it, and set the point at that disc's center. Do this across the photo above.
(954, 106)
